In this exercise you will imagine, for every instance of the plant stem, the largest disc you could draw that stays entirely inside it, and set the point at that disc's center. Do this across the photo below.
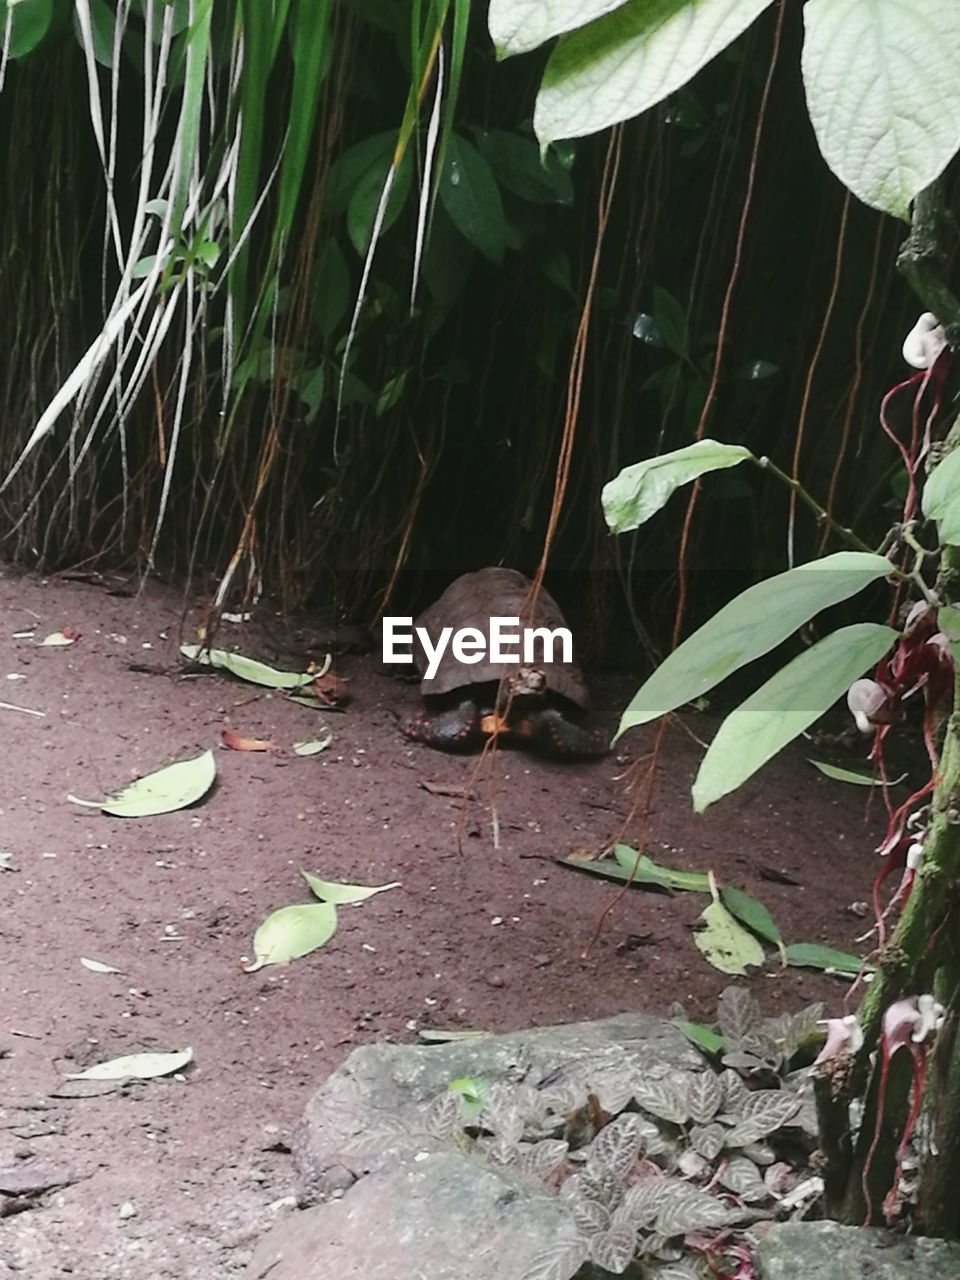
(823, 516)
(921, 260)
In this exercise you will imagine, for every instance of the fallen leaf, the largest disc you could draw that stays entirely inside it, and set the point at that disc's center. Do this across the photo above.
(854, 776)
(314, 746)
(60, 639)
(291, 932)
(447, 1035)
(344, 894)
(236, 743)
(171, 787)
(136, 1066)
(97, 966)
(329, 689)
(814, 955)
(751, 912)
(725, 943)
(244, 668)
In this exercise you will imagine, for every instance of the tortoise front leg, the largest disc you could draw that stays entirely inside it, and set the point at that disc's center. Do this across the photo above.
(551, 733)
(456, 729)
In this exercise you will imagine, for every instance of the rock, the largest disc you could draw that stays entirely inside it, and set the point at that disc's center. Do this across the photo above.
(828, 1251)
(368, 1114)
(440, 1217)
(387, 1198)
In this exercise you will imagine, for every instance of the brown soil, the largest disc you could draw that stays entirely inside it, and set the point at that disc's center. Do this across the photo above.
(178, 1178)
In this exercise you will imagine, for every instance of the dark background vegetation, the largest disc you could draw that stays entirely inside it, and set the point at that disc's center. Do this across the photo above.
(444, 454)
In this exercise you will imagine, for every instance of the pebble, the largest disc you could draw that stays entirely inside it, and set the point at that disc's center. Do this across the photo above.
(127, 1210)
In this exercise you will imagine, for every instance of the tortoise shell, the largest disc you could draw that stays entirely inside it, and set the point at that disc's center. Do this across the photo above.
(470, 601)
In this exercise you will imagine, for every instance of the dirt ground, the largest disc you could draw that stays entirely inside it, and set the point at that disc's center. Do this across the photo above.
(177, 1178)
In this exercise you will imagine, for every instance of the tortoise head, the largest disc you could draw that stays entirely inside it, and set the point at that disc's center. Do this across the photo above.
(526, 683)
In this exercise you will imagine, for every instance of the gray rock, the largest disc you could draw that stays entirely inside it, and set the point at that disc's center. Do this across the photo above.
(392, 1202)
(439, 1217)
(827, 1251)
(368, 1114)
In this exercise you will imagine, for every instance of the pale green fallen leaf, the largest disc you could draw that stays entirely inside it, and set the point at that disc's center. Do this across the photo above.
(751, 912)
(171, 787)
(854, 776)
(313, 747)
(344, 894)
(97, 966)
(815, 955)
(291, 932)
(649, 872)
(446, 1035)
(248, 669)
(136, 1066)
(725, 943)
(58, 640)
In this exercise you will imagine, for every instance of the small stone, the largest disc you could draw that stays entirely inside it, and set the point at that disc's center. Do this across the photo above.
(127, 1210)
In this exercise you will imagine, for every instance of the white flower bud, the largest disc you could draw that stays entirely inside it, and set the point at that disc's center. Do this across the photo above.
(924, 342)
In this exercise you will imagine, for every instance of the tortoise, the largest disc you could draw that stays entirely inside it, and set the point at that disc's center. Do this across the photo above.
(541, 707)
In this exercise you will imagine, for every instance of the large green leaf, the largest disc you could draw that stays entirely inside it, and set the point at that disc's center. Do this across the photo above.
(517, 163)
(883, 93)
(755, 622)
(786, 705)
(941, 497)
(519, 25)
(29, 23)
(631, 59)
(470, 195)
(643, 488)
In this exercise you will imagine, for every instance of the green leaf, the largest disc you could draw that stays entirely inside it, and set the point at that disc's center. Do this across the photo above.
(786, 705)
(365, 199)
(883, 93)
(309, 387)
(941, 497)
(725, 943)
(631, 59)
(102, 22)
(136, 1066)
(473, 1090)
(671, 321)
(344, 894)
(519, 167)
(650, 872)
(814, 955)
(348, 169)
(331, 290)
(314, 746)
(751, 625)
(172, 787)
(30, 22)
(643, 489)
(751, 912)
(292, 932)
(471, 197)
(835, 772)
(519, 25)
(703, 1037)
(246, 668)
